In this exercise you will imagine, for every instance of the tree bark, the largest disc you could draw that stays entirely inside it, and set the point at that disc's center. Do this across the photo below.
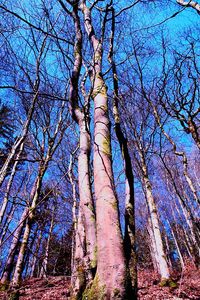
(192, 4)
(15, 242)
(34, 261)
(129, 238)
(110, 279)
(43, 272)
(84, 252)
(163, 267)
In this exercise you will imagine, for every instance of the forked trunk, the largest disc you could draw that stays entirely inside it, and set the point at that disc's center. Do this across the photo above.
(110, 279)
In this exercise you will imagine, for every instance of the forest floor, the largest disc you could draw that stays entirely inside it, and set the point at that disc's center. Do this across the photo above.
(57, 288)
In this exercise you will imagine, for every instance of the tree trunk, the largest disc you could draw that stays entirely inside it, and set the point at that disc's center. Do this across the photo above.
(34, 261)
(10, 181)
(20, 260)
(84, 252)
(163, 267)
(15, 242)
(110, 279)
(129, 238)
(35, 194)
(19, 142)
(43, 272)
(153, 250)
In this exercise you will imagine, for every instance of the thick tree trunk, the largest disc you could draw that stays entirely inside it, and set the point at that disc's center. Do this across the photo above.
(111, 271)
(84, 252)
(110, 279)
(129, 238)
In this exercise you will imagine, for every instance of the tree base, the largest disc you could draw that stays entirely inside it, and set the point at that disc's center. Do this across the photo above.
(168, 282)
(4, 286)
(14, 295)
(94, 291)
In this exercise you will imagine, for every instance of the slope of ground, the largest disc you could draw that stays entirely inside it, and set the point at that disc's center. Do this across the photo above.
(188, 286)
(57, 288)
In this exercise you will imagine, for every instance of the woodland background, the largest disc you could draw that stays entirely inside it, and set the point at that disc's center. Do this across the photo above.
(59, 60)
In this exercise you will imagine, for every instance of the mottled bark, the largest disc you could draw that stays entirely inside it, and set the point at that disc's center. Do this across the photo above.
(129, 238)
(110, 279)
(74, 209)
(84, 252)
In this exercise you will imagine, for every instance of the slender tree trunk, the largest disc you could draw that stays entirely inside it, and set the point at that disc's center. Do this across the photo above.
(10, 181)
(18, 143)
(177, 153)
(43, 272)
(153, 250)
(74, 211)
(176, 244)
(20, 260)
(188, 244)
(178, 249)
(169, 262)
(15, 242)
(163, 267)
(7, 222)
(34, 261)
(85, 242)
(35, 192)
(194, 230)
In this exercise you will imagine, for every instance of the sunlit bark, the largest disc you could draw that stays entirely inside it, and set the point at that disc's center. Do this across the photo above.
(192, 4)
(111, 272)
(129, 238)
(163, 267)
(15, 242)
(84, 252)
